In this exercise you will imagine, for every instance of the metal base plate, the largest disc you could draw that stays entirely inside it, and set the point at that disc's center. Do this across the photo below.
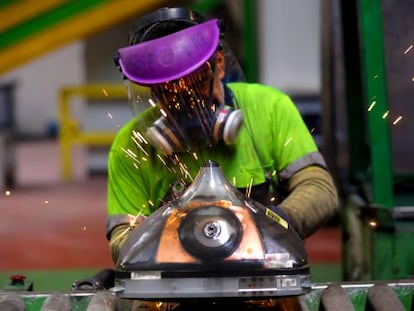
(151, 286)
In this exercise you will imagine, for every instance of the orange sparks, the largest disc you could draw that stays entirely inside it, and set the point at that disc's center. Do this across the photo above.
(372, 223)
(408, 49)
(105, 92)
(288, 141)
(249, 188)
(397, 120)
(372, 105)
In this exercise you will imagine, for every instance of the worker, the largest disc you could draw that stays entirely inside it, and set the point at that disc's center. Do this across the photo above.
(191, 104)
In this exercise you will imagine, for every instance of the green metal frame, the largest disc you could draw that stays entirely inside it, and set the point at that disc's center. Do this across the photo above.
(250, 40)
(373, 56)
(386, 241)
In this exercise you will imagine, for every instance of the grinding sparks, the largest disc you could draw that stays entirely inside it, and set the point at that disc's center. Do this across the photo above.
(130, 154)
(408, 49)
(372, 105)
(133, 219)
(121, 235)
(84, 228)
(152, 103)
(139, 136)
(109, 115)
(46, 202)
(105, 92)
(249, 188)
(132, 224)
(397, 120)
(161, 159)
(139, 145)
(163, 113)
(7, 193)
(184, 171)
(372, 223)
(385, 114)
(288, 141)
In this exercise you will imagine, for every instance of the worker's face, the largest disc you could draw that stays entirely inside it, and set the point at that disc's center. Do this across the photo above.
(201, 87)
(188, 113)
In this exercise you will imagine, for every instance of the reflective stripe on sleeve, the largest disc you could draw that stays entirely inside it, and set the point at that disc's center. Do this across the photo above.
(313, 158)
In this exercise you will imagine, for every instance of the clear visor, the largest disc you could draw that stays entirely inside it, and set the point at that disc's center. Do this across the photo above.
(176, 95)
(180, 113)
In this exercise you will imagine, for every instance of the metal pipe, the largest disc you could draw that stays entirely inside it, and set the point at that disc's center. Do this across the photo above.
(334, 298)
(102, 301)
(56, 302)
(381, 297)
(12, 302)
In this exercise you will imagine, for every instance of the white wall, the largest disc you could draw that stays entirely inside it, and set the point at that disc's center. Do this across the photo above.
(289, 48)
(38, 84)
(289, 36)
(289, 52)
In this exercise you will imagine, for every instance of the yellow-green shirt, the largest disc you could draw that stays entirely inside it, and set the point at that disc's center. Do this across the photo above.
(274, 139)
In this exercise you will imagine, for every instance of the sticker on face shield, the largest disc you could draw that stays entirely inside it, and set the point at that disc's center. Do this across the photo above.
(170, 57)
(276, 218)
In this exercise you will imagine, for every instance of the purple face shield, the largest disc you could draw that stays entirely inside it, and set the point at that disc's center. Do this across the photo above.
(170, 57)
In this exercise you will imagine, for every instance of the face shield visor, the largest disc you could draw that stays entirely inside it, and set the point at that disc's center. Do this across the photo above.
(172, 87)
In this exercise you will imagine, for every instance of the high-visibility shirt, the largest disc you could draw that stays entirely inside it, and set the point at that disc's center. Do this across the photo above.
(274, 139)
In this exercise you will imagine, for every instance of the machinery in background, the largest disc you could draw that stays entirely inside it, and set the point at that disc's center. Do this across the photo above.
(367, 96)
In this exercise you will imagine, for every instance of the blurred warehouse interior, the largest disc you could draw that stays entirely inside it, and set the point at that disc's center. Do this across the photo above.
(62, 101)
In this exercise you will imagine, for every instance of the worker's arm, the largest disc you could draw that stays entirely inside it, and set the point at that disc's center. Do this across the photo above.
(312, 199)
(117, 239)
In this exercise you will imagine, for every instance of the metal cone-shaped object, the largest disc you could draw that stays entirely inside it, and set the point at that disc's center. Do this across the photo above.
(215, 235)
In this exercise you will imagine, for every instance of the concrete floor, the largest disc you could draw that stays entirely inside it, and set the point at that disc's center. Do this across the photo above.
(49, 224)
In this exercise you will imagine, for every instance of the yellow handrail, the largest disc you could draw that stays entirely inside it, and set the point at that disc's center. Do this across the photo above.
(70, 132)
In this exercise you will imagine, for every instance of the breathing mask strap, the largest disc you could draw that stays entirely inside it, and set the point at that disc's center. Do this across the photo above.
(229, 98)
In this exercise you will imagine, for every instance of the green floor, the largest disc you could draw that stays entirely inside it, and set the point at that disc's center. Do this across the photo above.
(61, 280)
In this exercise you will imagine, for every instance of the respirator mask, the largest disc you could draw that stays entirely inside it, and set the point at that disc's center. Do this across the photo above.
(173, 87)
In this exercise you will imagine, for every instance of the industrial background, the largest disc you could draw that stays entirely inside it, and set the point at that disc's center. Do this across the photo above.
(348, 65)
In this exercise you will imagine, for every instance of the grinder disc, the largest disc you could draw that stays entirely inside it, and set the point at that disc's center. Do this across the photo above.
(210, 233)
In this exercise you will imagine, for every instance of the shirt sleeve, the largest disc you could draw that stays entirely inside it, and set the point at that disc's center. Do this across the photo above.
(278, 129)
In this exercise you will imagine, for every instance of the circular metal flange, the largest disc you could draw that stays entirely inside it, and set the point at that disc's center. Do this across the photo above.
(210, 233)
